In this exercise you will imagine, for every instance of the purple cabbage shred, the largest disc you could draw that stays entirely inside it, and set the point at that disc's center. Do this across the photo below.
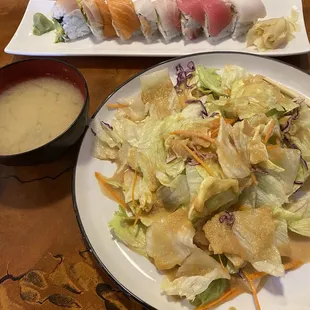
(298, 182)
(93, 132)
(183, 75)
(293, 117)
(107, 125)
(227, 218)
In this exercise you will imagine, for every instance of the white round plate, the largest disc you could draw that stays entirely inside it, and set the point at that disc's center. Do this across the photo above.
(134, 273)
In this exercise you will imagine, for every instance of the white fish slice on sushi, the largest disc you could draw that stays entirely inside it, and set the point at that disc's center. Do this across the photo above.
(148, 18)
(168, 16)
(93, 17)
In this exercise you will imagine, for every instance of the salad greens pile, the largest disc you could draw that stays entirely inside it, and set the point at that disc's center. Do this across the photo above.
(207, 171)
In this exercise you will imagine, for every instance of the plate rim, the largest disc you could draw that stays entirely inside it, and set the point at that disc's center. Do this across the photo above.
(78, 53)
(99, 262)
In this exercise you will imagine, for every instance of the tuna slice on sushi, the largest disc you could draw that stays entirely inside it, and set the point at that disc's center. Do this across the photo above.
(218, 19)
(147, 16)
(192, 17)
(168, 16)
(108, 30)
(70, 19)
(93, 17)
(124, 18)
(246, 13)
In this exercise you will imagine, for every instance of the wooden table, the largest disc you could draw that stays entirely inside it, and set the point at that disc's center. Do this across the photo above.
(44, 263)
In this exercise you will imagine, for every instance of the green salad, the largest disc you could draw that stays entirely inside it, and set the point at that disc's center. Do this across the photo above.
(206, 180)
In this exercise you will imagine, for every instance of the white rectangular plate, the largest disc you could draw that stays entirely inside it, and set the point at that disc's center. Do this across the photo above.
(24, 43)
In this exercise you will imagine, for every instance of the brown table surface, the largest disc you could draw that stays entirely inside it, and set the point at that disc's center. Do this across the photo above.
(44, 263)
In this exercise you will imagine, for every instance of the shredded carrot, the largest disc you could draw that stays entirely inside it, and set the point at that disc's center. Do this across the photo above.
(287, 266)
(220, 258)
(293, 264)
(199, 160)
(133, 188)
(233, 292)
(269, 131)
(230, 121)
(253, 177)
(108, 187)
(248, 278)
(257, 275)
(189, 133)
(214, 133)
(117, 105)
(137, 217)
(272, 146)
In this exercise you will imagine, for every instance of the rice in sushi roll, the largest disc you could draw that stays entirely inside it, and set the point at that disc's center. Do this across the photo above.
(168, 16)
(192, 18)
(70, 19)
(147, 16)
(245, 14)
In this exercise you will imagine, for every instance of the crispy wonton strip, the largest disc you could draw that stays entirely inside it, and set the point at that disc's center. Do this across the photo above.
(117, 105)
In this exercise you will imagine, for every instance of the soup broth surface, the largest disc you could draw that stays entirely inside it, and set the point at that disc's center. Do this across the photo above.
(35, 112)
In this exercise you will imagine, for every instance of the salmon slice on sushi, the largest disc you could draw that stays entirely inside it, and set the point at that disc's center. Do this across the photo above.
(108, 29)
(124, 18)
(71, 21)
(246, 13)
(192, 18)
(218, 20)
(168, 15)
(148, 19)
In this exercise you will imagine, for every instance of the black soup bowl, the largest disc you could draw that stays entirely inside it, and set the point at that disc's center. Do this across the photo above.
(23, 70)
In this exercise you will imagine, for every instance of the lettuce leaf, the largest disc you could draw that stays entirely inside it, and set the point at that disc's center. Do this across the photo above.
(231, 161)
(209, 80)
(169, 240)
(299, 133)
(159, 94)
(213, 194)
(131, 235)
(194, 276)
(282, 238)
(285, 165)
(213, 292)
(250, 236)
(231, 74)
(174, 194)
(254, 95)
(269, 191)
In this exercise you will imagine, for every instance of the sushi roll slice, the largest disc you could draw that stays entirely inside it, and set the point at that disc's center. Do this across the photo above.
(70, 19)
(92, 16)
(108, 29)
(192, 18)
(246, 13)
(147, 16)
(124, 18)
(168, 16)
(218, 20)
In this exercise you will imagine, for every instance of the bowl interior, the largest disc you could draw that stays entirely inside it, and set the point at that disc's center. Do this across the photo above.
(35, 68)
(18, 72)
